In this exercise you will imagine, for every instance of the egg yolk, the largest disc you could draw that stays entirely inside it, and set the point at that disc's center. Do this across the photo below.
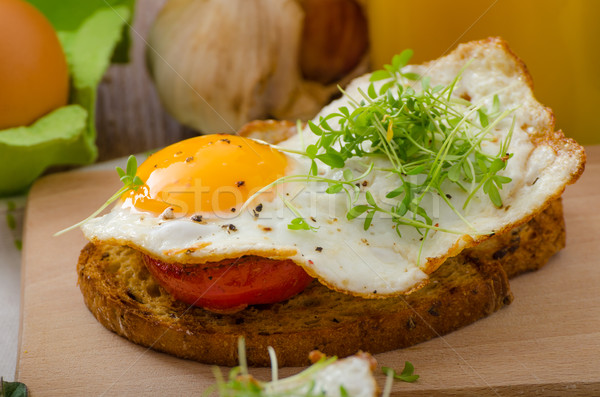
(205, 174)
(34, 77)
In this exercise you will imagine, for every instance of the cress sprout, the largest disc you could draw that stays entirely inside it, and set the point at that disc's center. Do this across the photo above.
(130, 182)
(428, 132)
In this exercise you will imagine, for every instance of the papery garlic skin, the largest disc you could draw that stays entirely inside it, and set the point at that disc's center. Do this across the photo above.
(218, 64)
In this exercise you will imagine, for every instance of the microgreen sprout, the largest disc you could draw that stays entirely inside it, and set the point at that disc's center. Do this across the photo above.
(130, 182)
(433, 140)
(298, 223)
(407, 374)
(240, 383)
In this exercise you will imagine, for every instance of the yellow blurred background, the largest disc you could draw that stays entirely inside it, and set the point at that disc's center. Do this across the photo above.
(559, 41)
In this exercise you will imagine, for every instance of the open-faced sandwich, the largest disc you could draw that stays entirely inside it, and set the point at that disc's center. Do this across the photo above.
(395, 216)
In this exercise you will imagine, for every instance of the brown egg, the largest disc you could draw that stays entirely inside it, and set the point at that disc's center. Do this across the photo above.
(34, 77)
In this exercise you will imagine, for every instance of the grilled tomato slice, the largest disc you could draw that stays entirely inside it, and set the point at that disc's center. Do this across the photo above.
(230, 285)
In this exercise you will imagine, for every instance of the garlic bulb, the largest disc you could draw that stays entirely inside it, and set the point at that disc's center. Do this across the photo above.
(218, 64)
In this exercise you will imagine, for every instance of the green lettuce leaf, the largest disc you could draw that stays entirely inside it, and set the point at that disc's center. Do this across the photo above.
(68, 15)
(25, 152)
(91, 33)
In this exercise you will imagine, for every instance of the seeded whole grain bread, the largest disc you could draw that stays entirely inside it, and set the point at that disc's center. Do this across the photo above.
(124, 297)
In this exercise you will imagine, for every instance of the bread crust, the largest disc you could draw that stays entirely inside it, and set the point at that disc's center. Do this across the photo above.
(527, 247)
(125, 298)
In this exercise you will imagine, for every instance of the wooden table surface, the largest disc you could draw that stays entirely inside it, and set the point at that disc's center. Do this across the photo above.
(546, 341)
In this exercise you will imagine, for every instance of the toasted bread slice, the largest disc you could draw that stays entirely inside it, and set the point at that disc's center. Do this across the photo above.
(125, 298)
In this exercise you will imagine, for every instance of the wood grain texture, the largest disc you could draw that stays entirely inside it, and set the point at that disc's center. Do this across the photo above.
(130, 118)
(545, 343)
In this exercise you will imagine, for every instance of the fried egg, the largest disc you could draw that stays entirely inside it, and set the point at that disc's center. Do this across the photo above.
(200, 203)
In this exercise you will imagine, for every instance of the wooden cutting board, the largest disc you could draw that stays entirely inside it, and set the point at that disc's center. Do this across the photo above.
(547, 342)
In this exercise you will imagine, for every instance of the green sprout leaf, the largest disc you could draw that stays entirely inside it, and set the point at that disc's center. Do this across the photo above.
(380, 75)
(356, 211)
(495, 105)
(299, 224)
(411, 76)
(370, 199)
(483, 118)
(313, 168)
(396, 192)
(454, 172)
(12, 389)
(334, 188)
(492, 191)
(371, 91)
(348, 174)
(368, 220)
(131, 166)
(401, 60)
(343, 391)
(130, 182)
(407, 374)
(497, 165)
(315, 129)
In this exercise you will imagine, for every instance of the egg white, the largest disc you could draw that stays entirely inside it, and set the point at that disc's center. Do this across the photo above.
(376, 262)
(354, 373)
(339, 252)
